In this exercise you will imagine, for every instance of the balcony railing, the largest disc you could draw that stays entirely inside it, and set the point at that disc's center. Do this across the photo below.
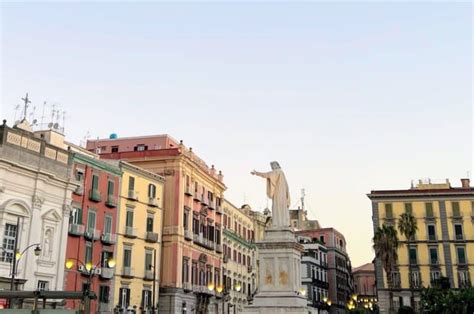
(218, 209)
(218, 248)
(225, 259)
(196, 197)
(79, 190)
(76, 229)
(92, 234)
(127, 272)
(188, 191)
(130, 232)
(211, 205)
(148, 275)
(107, 273)
(151, 237)
(153, 202)
(249, 268)
(132, 195)
(111, 201)
(108, 238)
(187, 286)
(94, 195)
(188, 235)
(204, 200)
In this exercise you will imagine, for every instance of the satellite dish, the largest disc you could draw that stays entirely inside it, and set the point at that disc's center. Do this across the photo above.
(50, 125)
(56, 125)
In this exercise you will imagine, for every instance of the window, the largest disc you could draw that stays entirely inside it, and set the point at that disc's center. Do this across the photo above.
(127, 257)
(104, 292)
(248, 261)
(110, 188)
(185, 270)
(105, 257)
(131, 183)
(413, 255)
(80, 175)
(464, 280)
(115, 149)
(148, 260)
(244, 260)
(456, 210)
(91, 215)
(194, 273)
(186, 219)
(431, 233)
(434, 276)
(124, 297)
(95, 182)
(149, 223)
(76, 216)
(408, 208)
(429, 210)
(43, 285)
(235, 255)
(461, 255)
(146, 299)
(88, 253)
(458, 231)
(108, 224)
(129, 218)
(416, 279)
(433, 256)
(141, 147)
(321, 238)
(240, 258)
(151, 191)
(218, 236)
(388, 211)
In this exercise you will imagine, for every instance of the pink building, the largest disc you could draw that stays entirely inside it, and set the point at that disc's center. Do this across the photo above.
(339, 266)
(364, 280)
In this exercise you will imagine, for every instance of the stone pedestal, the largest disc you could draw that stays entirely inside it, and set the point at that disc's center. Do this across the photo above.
(279, 283)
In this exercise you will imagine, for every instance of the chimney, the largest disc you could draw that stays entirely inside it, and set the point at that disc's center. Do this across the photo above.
(465, 183)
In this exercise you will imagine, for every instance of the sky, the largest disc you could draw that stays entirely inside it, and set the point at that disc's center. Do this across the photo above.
(349, 97)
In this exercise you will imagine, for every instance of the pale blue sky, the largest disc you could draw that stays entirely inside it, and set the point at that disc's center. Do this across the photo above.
(348, 97)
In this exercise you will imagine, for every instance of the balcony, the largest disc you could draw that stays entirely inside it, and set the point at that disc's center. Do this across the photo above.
(219, 209)
(249, 268)
(204, 200)
(151, 237)
(148, 275)
(225, 259)
(127, 272)
(130, 232)
(94, 195)
(132, 195)
(187, 287)
(108, 238)
(76, 229)
(188, 191)
(79, 190)
(196, 197)
(218, 248)
(188, 235)
(92, 234)
(107, 273)
(153, 202)
(111, 201)
(211, 205)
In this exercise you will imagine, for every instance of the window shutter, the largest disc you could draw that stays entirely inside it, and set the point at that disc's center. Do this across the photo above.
(128, 297)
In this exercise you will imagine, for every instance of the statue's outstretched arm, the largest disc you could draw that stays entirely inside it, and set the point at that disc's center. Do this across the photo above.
(260, 174)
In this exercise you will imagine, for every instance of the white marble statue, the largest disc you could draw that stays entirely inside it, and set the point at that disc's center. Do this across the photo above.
(278, 192)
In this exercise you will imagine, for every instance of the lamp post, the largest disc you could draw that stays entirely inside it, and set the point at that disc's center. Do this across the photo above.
(90, 273)
(16, 259)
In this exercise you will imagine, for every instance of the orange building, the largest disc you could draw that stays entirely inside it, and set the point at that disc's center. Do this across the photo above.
(191, 244)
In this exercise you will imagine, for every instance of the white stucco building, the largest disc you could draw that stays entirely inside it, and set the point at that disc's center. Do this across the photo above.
(36, 186)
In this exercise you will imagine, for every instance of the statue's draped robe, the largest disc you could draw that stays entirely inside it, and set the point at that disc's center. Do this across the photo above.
(278, 192)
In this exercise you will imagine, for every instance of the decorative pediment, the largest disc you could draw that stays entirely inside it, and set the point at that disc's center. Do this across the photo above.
(52, 215)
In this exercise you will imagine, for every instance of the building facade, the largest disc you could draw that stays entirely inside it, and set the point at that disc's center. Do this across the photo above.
(443, 245)
(35, 196)
(364, 282)
(239, 270)
(314, 273)
(139, 229)
(92, 231)
(338, 264)
(192, 219)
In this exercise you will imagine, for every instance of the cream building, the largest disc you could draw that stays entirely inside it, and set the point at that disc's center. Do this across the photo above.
(239, 270)
(35, 198)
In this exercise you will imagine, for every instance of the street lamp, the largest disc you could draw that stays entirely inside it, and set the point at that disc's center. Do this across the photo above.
(16, 259)
(90, 273)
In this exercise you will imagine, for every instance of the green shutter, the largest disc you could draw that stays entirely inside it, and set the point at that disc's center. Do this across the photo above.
(408, 208)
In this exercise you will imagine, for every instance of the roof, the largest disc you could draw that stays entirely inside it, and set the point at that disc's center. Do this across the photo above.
(365, 267)
(421, 192)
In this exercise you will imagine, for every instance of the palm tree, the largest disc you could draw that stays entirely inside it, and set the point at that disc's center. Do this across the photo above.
(385, 244)
(407, 226)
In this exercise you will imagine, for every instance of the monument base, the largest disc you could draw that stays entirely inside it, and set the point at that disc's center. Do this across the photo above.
(279, 286)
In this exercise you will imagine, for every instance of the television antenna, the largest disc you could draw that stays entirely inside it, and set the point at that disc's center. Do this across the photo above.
(27, 101)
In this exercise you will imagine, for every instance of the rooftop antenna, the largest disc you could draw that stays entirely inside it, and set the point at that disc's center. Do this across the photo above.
(17, 107)
(42, 115)
(302, 199)
(64, 120)
(27, 101)
(51, 123)
(32, 116)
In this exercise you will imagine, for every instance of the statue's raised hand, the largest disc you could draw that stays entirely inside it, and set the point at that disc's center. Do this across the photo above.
(253, 172)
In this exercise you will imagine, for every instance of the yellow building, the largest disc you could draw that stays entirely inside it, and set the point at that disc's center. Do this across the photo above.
(239, 270)
(444, 242)
(139, 232)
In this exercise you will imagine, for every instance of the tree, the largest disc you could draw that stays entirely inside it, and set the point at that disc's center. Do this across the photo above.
(408, 227)
(385, 245)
